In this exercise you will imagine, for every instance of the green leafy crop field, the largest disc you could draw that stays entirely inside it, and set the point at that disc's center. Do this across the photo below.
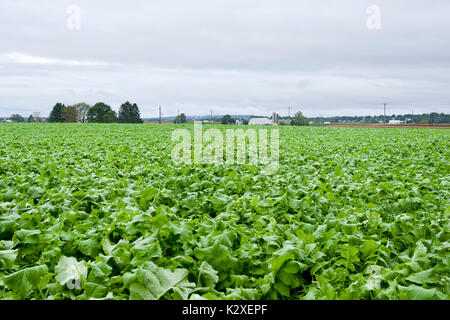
(101, 211)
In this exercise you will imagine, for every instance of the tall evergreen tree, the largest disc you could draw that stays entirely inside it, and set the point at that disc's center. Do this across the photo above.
(56, 114)
(129, 113)
(101, 113)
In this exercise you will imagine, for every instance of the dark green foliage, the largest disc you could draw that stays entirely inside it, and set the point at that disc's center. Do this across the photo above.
(227, 119)
(299, 120)
(82, 109)
(56, 114)
(424, 118)
(70, 114)
(180, 118)
(17, 118)
(129, 113)
(101, 113)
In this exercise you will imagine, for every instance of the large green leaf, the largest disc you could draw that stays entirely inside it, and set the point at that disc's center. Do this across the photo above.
(69, 269)
(24, 281)
(151, 283)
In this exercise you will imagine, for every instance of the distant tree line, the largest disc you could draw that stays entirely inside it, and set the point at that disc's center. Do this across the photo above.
(300, 120)
(129, 113)
(424, 118)
(297, 120)
(98, 113)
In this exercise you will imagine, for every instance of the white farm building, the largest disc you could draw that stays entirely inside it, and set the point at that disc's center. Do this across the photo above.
(260, 122)
(396, 122)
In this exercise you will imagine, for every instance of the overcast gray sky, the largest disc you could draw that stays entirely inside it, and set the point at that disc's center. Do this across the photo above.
(232, 56)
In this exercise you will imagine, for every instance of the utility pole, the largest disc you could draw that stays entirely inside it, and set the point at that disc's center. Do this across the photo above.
(412, 117)
(210, 118)
(289, 113)
(160, 115)
(384, 121)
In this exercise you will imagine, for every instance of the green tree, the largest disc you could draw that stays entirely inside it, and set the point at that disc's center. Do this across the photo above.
(180, 118)
(17, 118)
(56, 114)
(30, 118)
(101, 113)
(227, 119)
(299, 120)
(70, 114)
(434, 116)
(82, 109)
(129, 113)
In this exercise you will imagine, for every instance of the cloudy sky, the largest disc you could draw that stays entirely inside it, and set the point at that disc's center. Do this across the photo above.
(233, 56)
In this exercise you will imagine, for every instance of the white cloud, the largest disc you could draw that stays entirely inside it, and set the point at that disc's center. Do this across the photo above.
(19, 57)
